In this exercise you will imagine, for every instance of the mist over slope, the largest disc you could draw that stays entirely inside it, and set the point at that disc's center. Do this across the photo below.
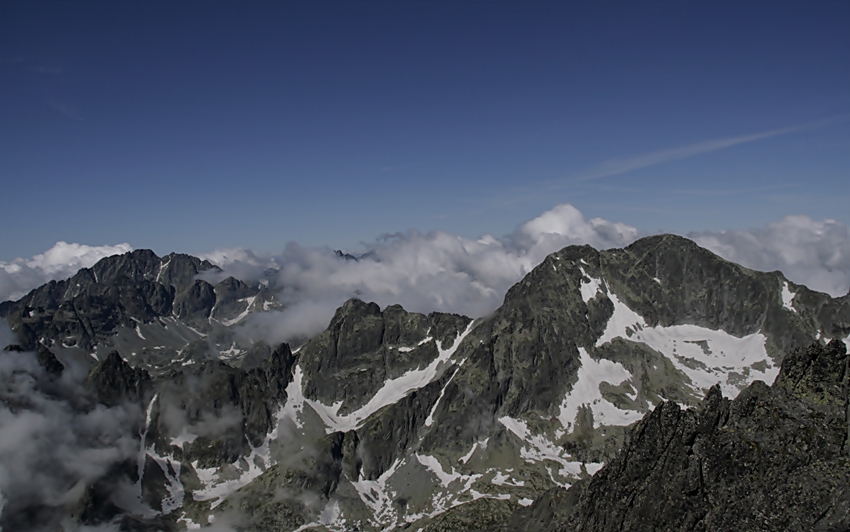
(439, 271)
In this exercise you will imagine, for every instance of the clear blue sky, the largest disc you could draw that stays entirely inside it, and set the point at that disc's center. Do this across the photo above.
(186, 126)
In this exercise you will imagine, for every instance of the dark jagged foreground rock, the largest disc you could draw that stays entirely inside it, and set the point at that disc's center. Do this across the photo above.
(775, 458)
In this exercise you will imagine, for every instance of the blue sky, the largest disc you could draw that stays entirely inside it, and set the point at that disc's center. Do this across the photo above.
(195, 125)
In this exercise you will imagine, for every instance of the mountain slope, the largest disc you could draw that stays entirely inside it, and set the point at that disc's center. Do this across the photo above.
(774, 458)
(391, 419)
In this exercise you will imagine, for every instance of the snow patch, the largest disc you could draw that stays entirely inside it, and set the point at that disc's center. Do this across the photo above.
(248, 302)
(591, 374)
(589, 289)
(171, 470)
(231, 352)
(623, 322)
(593, 467)
(442, 500)
(501, 479)
(538, 448)
(162, 267)
(186, 520)
(710, 357)
(435, 467)
(788, 297)
(430, 419)
(250, 467)
(706, 356)
(377, 496)
(294, 406)
(482, 444)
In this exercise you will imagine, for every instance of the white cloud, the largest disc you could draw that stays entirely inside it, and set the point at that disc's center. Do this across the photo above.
(59, 262)
(616, 167)
(53, 441)
(437, 271)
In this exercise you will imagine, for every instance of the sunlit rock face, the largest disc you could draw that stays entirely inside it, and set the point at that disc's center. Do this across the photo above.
(548, 412)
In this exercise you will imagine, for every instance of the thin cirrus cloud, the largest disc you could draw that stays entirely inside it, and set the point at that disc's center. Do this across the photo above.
(439, 271)
(615, 167)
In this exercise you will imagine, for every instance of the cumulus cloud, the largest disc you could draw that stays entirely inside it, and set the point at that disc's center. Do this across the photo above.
(59, 262)
(810, 252)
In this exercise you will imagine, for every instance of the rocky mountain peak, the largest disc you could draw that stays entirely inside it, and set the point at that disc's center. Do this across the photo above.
(115, 381)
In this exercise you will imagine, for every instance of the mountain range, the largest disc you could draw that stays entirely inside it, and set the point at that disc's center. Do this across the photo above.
(654, 387)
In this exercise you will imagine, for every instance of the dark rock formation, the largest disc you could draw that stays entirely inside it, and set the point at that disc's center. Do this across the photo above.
(121, 290)
(238, 405)
(114, 381)
(775, 458)
(359, 350)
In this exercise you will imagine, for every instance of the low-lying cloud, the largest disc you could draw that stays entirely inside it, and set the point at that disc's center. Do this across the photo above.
(429, 272)
(439, 271)
(54, 442)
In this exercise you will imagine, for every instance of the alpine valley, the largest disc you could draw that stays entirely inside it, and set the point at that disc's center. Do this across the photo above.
(655, 387)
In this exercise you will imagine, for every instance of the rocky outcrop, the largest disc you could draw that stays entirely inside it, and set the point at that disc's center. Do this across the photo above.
(525, 356)
(228, 410)
(363, 347)
(114, 381)
(775, 458)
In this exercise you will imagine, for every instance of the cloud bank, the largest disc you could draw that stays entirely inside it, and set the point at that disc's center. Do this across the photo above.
(59, 262)
(429, 272)
(443, 272)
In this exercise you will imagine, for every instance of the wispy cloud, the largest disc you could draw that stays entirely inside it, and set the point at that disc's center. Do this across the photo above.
(616, 167)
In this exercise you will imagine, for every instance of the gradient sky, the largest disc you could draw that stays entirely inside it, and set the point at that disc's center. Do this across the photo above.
(189, 126)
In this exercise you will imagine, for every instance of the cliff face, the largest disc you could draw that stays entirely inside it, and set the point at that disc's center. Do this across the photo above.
(775, 458)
